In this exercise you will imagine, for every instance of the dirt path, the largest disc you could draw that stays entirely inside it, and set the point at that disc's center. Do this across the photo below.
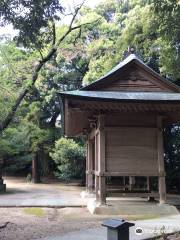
(48, 194)
(36, 223)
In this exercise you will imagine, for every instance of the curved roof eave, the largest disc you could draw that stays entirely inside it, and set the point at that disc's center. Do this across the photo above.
(123, 96)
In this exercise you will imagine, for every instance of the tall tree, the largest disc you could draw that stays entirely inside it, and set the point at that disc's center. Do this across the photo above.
(46, 13)
(168, 16)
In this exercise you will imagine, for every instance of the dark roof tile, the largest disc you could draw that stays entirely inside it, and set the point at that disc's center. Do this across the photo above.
(130, 96)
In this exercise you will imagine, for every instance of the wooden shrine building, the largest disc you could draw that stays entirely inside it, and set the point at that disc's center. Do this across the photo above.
(123, 115)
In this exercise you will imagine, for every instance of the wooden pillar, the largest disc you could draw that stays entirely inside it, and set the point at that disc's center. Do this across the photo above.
(148, 183)
(101, 160)
(124, 183)
(131, 182)
(89, 166)
(97, 187)
(96, 168)
(162, 182)
(87, 170)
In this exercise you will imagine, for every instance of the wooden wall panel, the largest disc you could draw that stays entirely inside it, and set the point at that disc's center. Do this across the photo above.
(75, 122)
(131, 150)
(136, 119)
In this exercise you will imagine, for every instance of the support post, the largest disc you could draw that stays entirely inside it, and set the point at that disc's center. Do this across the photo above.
(148, 183)
(97, 187)
(124, 183)
(162, 181)
(131, 182)
(87, 170)
(89, 166)
(96, 168)
(101, 160)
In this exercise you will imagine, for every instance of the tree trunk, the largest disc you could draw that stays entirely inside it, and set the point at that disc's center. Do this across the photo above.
(2, 185)
(35, 169)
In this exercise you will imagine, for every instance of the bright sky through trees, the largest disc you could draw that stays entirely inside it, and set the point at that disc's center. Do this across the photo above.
(69, 3)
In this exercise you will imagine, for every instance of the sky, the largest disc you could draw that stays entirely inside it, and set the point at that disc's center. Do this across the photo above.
(92, 3)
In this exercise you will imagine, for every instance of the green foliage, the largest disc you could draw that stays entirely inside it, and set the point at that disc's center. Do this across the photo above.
(15, 71)
(168, 14)
(168, 17)
(31, 18)
(13, 141)
(172, 157)
(70, 159)
(130, 23)
(169, 59)
(15, 149)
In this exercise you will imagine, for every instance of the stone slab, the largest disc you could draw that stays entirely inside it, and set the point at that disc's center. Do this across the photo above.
(132, 208)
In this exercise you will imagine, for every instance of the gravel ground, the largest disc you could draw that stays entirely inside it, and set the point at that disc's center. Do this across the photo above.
(28, 224)
(36, 223)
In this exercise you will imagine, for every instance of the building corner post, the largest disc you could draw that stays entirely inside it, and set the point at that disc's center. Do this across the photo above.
(102, 160)
(89, 167)
(161, 168)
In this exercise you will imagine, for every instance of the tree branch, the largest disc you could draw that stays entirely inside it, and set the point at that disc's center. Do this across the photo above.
(41, 55)
(39, 66)
(54, 33)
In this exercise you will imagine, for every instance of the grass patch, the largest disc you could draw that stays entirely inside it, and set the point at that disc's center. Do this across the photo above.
(38, 212)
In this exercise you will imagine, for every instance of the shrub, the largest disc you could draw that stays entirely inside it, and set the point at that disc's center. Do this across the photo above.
(70, 159)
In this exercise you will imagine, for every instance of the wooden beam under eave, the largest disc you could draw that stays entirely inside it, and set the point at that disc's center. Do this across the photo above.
(128, 107)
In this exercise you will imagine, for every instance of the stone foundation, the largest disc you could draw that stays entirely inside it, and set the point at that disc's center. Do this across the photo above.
(131, 208)
(85, 194)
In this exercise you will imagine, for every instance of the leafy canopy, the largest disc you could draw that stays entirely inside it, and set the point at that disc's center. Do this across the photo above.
(30, 17)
